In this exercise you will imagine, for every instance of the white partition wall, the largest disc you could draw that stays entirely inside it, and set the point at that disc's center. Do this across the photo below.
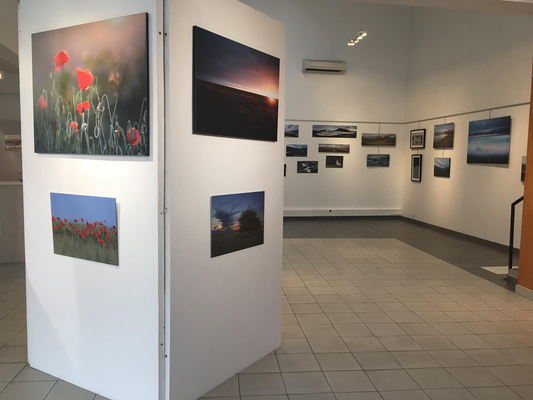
(225, 312)
(91, 324)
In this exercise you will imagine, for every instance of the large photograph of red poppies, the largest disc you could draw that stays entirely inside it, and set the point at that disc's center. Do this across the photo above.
(235, 89)
(90, 88)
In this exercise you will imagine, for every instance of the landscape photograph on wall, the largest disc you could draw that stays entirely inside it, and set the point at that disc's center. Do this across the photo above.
(489, 141)
(296, 150)
(85, 227)
(307, 167)
(333, 148)
(444, 136)
(334, 161)
(378, 139)
(13, 143)
(418, 139)
(235, 89)
(237, 222)
(90, 88)
(523, 170)
(378, 160)
(442, 167)
(292, 131)
(334, 131)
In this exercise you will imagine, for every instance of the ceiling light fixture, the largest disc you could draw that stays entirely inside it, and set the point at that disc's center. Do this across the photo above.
(357, 37)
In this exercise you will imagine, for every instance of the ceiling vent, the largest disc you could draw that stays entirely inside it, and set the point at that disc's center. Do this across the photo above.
(324, 66)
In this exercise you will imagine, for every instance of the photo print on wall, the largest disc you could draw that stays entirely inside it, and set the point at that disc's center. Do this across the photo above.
(237, 222)
(13, 142)
(416, 168)
(378, 139)
(334, 131)
(296, 150)
(333, 148)
(334, 161)
(378, 160)
(523, 170)
(235, 89)
(85, 227)
(418, 139)
(90, 88)
(292, 131)
(307, 167)
(489, 141)
(444, 136)
(442, 167)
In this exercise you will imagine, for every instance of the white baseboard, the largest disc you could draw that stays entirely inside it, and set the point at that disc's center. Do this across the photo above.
(368, 212)
(525, 292)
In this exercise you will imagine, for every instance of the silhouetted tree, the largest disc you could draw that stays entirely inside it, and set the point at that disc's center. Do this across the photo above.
(249, 221)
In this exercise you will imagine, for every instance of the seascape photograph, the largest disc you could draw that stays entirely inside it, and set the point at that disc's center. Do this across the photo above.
(489, 141)
(444, 136)
(333, 148)
(296, 150)
(292, 131)
(334, 131)
(442, 167)
(378, 139)
(378, 160)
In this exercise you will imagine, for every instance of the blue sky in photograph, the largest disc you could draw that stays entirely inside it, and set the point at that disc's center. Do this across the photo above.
(87, 207)
(227, 209)
(297, 146)
(445, 127)
(501, 126)
(442, 162)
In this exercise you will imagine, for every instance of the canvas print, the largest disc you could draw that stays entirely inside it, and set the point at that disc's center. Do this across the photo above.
(442, 167)
(235, 89)
(489, 141)
(292, 131)
(90, 88)
(333, 148)
(307, 167)
(13, 142)
(378, 160)
(296, 150)
(416, 168)
(237, 222)
(334, 131)
(523, 174)
(418, 139)
(85, 227)
(378, 139)
(334, 161)
(444, 136)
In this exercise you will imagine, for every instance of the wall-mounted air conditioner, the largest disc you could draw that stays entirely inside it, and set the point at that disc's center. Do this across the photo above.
(324, 66)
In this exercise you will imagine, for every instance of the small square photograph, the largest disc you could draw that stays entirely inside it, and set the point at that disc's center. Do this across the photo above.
(418, 139)
(444, 136)
(442, 167)
(307, 167)
(296, 150)
(334, 161)
(292, 131)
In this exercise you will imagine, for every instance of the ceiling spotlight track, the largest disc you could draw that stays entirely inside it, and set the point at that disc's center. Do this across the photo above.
(357, 37)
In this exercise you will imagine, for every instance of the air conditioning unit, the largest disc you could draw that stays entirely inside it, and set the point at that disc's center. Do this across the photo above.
(324, 66)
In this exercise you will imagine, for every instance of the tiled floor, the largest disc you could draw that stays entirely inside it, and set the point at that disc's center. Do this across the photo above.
(378, 319)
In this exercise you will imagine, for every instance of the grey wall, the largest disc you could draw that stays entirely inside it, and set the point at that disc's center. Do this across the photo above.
(11, 224)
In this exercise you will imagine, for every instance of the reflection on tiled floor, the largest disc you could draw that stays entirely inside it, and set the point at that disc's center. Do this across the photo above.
(377, 319)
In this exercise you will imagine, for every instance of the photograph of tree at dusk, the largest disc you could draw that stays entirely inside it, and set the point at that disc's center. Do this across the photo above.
(235, 89)
(237, 222)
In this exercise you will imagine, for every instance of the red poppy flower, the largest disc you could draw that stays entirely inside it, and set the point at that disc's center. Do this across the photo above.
(66, 220)
(85, 78)
(75, 220)
(42, 103)
(82, 107)
(135, 139)
(53, 219)
(60, 59)
(82, 220)
(62, 237)
(74, 126)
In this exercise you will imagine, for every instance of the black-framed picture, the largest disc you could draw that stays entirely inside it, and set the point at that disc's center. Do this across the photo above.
(333, 148)
(523, 169)
(307, 167)
(378, 139)
(296, 150)
(284, 170)
(418, 139)
(489, 141)
(416, 168)
(378, 160)
(334, 161)
(235, 89)
(444, 136)
(442, 167)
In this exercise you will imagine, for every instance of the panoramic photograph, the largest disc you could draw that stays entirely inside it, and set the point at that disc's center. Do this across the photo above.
(378, 139)
(235, 89)
(307, 167)
(523, 170)
(296, 150)
(292, 130)
(444, 135)
(237, 222)
(489, 141)
(334, 161)
(90, 88)
(378, 160)
(334, 131)
(442, 167)
(85, 227)
(333, 148)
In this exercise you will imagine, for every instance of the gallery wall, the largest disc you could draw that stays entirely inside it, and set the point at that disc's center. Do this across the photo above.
(223, 311)
(10, 161)
(92, 324)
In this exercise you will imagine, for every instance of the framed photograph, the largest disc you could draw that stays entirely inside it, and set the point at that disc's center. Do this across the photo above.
(333, 148)
(378, 160)
(442, 167)
(444, 136)
(416, 168)
(307, 167)
(489, 141)
(334, 131)
(378, 139)
(334, 161)
(284, 169)
(523, 175)
(296, 150)
(13, 143)
(292, 131)
(235, 89)
(418, 139)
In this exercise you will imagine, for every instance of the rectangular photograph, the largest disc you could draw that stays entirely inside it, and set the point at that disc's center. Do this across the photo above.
(237, 222)
(334, 161)
(444, 136)
(85, 227)
(292, 131)
(378, 139)
(334, 131)
(442, 167)
(333, 148)
(13, 142)
(296, 150)
(523, 169)
(90, 88)
(416, 168)
(307, 167)
(378, 160)
(235, 89)
(418, 139)
(489, 141)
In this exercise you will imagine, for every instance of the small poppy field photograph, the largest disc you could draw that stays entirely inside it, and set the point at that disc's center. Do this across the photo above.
(90, 88)
(85, 227)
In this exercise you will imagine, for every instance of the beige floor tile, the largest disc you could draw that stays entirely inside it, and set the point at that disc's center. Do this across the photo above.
(474, 377)
(434, 378)
(29, 374)
(313, 319)
(377, 361)
(521, 356)
(422, 328)
(490, 357)
(328, 345)
(338, 362)
(294, 346)
(468, 342)
(228, 388)
(66, 391)
(9, 370)
(399, 343)
(14, 354)
(353, 330)
(344, 318)
(349, 381)
(495, 393)
(261, 384)
(363, 344)
(305, 382)
(502, 341)
(453, 358)
(434, 342)
(405, 395)
(450, 394)
(291, 332)
(298, 363)
(392, 380)
(26, 390)
(415, 359)
(264, 365)
(512, 375)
